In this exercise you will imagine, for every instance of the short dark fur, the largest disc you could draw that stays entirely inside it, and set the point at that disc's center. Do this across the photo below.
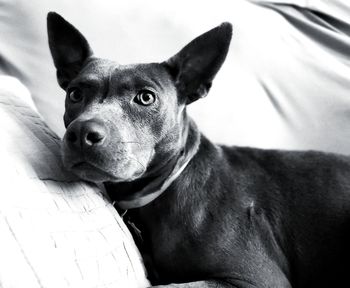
(235, 217)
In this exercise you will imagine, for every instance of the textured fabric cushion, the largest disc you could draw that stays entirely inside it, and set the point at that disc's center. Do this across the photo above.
(284, 85)
(55, 231)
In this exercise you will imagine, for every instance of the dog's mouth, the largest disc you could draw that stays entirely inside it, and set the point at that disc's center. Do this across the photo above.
(84, 165)
(102, 165)
(93, 173)
(90, 172)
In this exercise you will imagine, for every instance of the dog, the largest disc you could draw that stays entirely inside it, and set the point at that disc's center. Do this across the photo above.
(211, 215)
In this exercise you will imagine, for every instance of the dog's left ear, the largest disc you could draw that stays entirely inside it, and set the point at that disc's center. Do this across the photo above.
(196, 65)
(69, 48)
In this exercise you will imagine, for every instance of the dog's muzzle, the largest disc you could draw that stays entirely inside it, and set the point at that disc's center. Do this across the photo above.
(97, 152)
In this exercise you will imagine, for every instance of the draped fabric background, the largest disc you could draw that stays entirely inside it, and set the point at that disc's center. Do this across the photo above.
(285, 83)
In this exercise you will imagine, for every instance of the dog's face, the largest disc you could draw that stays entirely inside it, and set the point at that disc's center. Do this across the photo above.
(124, 121)
(115, 117)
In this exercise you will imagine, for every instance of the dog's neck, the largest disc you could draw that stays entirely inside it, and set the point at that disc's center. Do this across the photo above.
(142, 191)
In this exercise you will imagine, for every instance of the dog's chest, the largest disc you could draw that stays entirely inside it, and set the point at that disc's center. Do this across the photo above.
(179, 251)
(186, 245)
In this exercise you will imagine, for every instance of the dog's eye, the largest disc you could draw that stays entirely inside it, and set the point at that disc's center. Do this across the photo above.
(75, 95)
(145, 98)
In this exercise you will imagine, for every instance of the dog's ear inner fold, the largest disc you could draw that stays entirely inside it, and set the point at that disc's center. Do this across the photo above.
(196, 65)
(69, 48)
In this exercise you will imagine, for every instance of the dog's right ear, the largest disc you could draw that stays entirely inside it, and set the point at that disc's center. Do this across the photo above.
(69, 48)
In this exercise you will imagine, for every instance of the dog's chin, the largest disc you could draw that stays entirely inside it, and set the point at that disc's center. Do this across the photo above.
(96, 167)
(92, 173)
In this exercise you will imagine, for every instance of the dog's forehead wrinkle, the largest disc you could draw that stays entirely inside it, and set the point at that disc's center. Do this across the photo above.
(100, 66)
(87, 80)
(95, 71)
(140, 76)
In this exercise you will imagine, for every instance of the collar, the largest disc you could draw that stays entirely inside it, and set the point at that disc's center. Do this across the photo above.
(159, 185)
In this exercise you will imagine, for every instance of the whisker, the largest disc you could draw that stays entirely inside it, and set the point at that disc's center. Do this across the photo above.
(143, 166)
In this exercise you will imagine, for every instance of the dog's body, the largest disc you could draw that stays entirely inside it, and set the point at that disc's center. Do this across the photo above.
(213, 216)
(251, 218)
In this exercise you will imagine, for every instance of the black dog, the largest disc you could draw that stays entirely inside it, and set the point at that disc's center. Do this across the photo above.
(213, 216)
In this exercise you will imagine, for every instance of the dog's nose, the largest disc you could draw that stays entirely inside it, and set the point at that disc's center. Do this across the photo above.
(82, 134)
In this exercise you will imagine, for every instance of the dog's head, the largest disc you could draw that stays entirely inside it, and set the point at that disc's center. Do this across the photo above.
(125, 120)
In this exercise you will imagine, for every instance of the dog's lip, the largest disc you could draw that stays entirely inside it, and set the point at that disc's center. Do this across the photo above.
(78, 165)
(85, 165)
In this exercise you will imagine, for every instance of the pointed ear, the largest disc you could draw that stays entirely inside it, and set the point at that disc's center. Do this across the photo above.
(196, 65)
(69, 48)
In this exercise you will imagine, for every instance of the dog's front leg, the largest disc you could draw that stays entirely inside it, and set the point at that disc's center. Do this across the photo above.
(208, 284)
